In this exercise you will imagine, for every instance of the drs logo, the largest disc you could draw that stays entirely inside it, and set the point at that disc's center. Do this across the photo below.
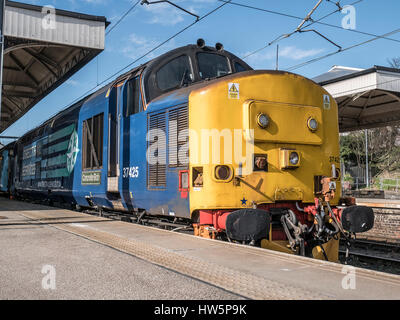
(132, 172)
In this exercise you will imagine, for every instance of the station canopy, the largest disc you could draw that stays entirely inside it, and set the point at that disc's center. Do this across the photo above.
(367, 98)
(43, 47)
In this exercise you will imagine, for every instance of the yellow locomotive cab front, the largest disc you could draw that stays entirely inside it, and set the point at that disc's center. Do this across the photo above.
(266, 141)
(289, 101)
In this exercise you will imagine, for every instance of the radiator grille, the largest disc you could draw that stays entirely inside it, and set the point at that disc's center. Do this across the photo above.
(156, 173)
(178, 122)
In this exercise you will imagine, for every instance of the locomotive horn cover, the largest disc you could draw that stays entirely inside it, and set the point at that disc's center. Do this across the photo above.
(358, 219)
(201, 43)
(248, 225)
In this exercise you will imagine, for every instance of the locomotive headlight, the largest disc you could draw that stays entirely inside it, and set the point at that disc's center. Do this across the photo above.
(294, 158)
(263, 120)
(312, 124)
(223, 173)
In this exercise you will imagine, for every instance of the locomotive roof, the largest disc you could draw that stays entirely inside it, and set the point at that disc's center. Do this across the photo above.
(148, 70)
(7, 146)
(185, 91)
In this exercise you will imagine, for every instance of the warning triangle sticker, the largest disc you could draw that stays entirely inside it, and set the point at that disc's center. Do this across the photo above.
(233, 89)
(327, 102)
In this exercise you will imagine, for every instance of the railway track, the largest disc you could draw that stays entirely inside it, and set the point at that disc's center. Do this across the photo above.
(375, 255)
(173, 225)
(370, 254)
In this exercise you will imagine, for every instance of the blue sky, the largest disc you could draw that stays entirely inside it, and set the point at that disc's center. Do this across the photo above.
(241, 30)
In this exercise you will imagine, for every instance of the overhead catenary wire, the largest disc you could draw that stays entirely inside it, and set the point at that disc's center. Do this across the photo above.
(145, 54)
(122, 17)
(110, 30)
(308, 17)
(172, 4)
(297, 30)
(376, 37)
(318, 21)
(342, 50)
(337, 4)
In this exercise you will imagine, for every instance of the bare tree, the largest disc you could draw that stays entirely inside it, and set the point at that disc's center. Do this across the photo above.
(394, 62)
(384, 149)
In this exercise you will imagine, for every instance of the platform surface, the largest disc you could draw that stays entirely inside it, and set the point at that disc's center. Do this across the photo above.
(379, 203)
(97, 258)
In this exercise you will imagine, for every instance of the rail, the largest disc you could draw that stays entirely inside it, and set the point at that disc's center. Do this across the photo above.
(375, 255)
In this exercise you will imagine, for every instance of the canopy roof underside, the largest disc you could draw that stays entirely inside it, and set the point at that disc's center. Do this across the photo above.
(38, 57)
(366, 98)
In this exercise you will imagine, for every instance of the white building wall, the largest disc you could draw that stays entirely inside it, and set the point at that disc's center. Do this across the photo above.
(28, 24)
(352, 86)
(388, 81)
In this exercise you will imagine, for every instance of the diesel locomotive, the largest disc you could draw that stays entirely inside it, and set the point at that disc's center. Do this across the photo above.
(197, 136)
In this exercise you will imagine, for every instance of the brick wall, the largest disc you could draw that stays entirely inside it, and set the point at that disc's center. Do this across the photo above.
(387, 226)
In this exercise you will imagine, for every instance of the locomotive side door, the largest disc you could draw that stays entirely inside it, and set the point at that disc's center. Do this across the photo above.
(114, 123)
(129, 153)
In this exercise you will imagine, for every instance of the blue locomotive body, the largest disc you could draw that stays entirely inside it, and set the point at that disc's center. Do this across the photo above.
(69, 158)
(4, 170)
(94, 154)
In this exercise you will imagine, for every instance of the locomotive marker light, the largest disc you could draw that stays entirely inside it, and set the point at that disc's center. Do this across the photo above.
(290, 159)
(263, 120)
(184, 184)
(294, 158)
(312, 124)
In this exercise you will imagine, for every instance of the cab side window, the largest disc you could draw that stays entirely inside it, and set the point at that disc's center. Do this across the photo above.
(92, 143)
(133, 97)
(174, 74)
(239, 67)
(212, 65)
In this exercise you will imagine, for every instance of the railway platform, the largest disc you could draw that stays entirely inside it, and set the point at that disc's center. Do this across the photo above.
(379, 203)
(387, 220)
(97, 258)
